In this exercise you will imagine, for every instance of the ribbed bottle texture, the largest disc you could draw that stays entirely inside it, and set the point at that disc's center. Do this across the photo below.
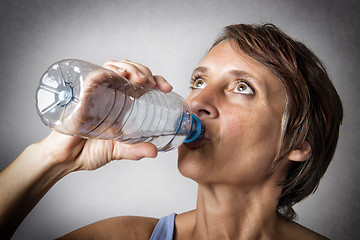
(85, 100)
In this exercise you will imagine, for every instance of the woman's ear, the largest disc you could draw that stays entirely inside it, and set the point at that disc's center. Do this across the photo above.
(301, 154)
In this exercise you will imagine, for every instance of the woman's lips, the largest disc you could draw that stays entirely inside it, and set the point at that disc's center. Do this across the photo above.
(199, 142)
(194, 144)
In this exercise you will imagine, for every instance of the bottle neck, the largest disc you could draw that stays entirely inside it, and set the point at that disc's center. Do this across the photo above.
(196, 130)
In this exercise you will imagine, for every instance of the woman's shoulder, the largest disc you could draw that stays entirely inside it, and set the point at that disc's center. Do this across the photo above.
(124, 227)
(294, 230)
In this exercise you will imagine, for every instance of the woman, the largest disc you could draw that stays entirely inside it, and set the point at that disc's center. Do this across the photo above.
(271, 117)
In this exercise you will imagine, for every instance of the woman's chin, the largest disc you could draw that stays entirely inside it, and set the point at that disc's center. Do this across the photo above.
(192, 162)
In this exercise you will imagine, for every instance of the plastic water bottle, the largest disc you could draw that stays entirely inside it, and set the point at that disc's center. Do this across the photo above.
(85, 100)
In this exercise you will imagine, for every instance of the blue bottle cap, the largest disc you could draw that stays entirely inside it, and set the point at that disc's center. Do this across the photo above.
(196, 131)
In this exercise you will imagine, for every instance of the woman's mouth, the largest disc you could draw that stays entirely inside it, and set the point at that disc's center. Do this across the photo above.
(199, 142)
(194, 144)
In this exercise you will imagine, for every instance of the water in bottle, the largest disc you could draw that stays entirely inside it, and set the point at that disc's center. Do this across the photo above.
(81, 99)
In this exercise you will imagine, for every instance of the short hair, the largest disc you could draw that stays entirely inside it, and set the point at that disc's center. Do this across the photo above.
(313, 111)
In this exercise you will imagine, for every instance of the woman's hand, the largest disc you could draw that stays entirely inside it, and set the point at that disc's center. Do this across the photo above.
(88, 154)
(138, 74)
(76, 153)
(41, 165)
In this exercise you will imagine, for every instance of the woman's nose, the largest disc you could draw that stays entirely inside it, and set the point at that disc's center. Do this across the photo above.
(203, 104)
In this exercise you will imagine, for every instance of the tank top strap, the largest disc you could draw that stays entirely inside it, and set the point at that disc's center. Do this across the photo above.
(164, 229)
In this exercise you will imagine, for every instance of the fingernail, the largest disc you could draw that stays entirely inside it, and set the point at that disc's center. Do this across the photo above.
(152, 80)
(121, 70)
(140, 74)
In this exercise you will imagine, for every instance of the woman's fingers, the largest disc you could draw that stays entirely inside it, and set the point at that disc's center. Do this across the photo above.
(135, 72)
(138, 74)
(162, 84)
(122, 72)
(135, 151)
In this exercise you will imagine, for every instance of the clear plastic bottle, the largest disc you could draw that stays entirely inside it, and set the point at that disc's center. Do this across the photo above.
(85, 100)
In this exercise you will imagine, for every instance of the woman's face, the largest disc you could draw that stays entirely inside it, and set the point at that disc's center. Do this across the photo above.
(241, 104)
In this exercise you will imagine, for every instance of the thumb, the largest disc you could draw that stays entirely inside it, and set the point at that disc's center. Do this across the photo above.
(135, 151)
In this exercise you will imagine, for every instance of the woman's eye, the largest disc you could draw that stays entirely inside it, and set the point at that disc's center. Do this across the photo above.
(198, 83)
(243, 88)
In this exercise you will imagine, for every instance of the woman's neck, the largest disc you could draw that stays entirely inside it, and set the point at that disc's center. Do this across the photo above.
(228, 212)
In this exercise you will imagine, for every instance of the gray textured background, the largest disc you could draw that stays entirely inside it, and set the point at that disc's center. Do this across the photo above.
(170, 38)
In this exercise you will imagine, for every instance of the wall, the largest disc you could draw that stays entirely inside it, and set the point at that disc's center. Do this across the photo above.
(170, 37)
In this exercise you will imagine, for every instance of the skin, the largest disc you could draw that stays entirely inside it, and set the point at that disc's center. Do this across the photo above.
(243, 128)
(233, 164)
(58, 155)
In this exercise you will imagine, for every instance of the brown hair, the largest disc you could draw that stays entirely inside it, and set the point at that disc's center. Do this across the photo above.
(313, 112)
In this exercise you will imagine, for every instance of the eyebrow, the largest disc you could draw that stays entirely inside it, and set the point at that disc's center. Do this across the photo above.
(200, 70)
(235, 72)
